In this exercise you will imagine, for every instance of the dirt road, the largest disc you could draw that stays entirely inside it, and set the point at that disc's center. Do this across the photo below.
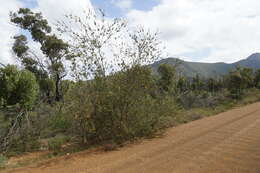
(226, 143)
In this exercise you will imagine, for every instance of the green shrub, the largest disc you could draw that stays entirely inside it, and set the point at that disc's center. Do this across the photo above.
(55, 143)
(3, 160)
(118, 108)
(18, 87)
(60, 122)
(25, 142)
(205, 99)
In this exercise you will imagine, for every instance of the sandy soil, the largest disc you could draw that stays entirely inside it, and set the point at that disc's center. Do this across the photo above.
(226, 143)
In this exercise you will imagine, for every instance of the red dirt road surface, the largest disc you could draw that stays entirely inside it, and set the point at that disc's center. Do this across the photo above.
(225, 143)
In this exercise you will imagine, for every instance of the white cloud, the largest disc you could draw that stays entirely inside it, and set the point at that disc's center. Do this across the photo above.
(55, 10)
(7, 30)
(123, 4)
(201, 30)
(215, 30)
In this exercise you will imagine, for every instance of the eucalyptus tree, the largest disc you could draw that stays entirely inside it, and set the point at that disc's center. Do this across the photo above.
(52, 61)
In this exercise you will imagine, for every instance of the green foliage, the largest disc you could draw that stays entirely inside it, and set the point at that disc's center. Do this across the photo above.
(257, 79)
(18, 87)
(55, 143)
(197, 83)
(119, 107)
(20, 45)
(248, 77)
(167, 77)
(47, 87)
(52, 47)
(183, 84)
(238, 80)
(214, 85)
(60, 122)
(202, 99)
(27, 89)
(30, 60)
(66, 85)
(26, 140)
(9, 78)
(3, 160)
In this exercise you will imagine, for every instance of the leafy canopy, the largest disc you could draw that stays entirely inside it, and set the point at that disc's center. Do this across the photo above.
(53, 48)
(18, 87)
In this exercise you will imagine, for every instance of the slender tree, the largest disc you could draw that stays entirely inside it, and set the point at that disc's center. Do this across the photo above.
(238, 80)
(53, 48)
(93, 37)
(257, 79)
(197, 83)
(167, 77)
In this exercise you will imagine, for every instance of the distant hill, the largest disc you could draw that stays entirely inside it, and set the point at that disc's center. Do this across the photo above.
(209, 69)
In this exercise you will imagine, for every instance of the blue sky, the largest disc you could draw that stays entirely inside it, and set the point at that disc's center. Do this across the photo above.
(194, 30)
(29, 3)
(113, 11)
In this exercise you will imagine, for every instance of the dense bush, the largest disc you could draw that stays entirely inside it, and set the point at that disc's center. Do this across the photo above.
(120, 107)
(17, 87)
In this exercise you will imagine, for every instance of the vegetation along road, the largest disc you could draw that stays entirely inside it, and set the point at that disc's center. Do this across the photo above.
(228, 142)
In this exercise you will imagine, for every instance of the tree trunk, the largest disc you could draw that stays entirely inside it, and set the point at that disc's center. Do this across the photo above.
(57, 87)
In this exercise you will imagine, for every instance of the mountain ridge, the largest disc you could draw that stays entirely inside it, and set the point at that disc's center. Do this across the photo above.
(207, 70)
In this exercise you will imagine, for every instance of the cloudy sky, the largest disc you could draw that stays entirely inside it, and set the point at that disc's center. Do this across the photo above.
(196, 30)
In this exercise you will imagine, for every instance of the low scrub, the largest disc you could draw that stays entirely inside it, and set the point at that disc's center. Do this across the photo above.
(3, 161)
(55, 144)
(204, 99)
